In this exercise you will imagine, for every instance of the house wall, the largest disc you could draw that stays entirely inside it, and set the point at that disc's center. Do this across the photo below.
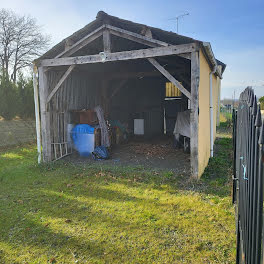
(216, 91)
(204, 112)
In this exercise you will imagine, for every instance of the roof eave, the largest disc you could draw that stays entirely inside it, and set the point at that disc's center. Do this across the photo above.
(209, 52)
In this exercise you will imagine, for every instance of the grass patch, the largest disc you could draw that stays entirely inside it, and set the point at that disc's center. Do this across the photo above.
(62, 213)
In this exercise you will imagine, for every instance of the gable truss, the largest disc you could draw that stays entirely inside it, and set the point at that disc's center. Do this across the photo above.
(159, 48)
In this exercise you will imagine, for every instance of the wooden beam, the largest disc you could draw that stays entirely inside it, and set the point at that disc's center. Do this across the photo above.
(107, 40)
(45, 116)
(194, 118)
(121, 56)
(136, 37)
(60, 82)
(82, 42)
(169, 77)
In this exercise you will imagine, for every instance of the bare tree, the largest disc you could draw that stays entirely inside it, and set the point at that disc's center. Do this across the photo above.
(21, 41)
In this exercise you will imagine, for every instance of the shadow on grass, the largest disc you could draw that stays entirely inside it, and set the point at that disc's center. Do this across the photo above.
(32, 228)
(70, 207)
(216, 179)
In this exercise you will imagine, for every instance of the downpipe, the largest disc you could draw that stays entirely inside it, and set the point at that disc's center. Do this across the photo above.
(211, 112)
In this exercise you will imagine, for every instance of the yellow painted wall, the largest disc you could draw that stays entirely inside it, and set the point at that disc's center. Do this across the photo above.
(204, 112)
(204, 116)
(216, 86)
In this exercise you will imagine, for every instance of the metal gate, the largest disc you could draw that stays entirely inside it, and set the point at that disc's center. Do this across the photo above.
(248, 140)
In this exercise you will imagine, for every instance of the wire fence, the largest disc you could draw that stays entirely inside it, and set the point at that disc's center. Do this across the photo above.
(248, 140)
(17, 132)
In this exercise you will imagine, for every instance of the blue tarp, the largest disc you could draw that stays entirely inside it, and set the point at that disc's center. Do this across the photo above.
(83, 129)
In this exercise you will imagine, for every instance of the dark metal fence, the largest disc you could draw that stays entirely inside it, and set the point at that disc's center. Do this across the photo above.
(248, 140)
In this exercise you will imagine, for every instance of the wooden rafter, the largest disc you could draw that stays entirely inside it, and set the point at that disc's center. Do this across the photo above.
(136, 37)
(82, 42)
(60, 82)
(121, 56)
(169, 77)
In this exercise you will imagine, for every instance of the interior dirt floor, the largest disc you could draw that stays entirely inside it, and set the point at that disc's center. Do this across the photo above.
(156, 154)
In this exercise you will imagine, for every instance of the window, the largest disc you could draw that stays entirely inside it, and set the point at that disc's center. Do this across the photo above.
(172, 90)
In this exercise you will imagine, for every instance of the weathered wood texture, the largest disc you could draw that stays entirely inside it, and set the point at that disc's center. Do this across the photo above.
(146, 40)
(123, 55)
(107, 40)
(169, 77)
(61, 92)
(195, 76)
(77, 92)
(60, 82)
(82, 42)
(45, 116)
(37, 112)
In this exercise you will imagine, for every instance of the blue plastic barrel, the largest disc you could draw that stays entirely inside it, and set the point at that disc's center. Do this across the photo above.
(83, 139)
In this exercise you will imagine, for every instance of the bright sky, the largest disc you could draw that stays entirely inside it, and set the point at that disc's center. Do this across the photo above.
(235, 29)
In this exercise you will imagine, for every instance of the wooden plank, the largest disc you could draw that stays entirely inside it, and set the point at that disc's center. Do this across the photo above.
(107, 40)
(194, 118)
(136, 37)
(82, 42)
(169, 77)
(45, 116)
(60, 82)
(121, 56)
(37, 111)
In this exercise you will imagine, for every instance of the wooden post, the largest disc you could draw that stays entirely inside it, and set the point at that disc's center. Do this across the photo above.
(45, 116)
(107, 40)
(37, 117)
(195, 75)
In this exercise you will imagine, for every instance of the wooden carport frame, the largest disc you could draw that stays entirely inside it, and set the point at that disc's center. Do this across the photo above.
(158, 48)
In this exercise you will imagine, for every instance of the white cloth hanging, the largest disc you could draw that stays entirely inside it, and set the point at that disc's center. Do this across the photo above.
(182, 125)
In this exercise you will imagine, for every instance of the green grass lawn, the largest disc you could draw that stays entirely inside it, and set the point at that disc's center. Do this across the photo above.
(63, 213)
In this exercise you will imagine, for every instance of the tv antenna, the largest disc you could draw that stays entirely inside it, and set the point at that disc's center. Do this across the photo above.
(177, 19)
